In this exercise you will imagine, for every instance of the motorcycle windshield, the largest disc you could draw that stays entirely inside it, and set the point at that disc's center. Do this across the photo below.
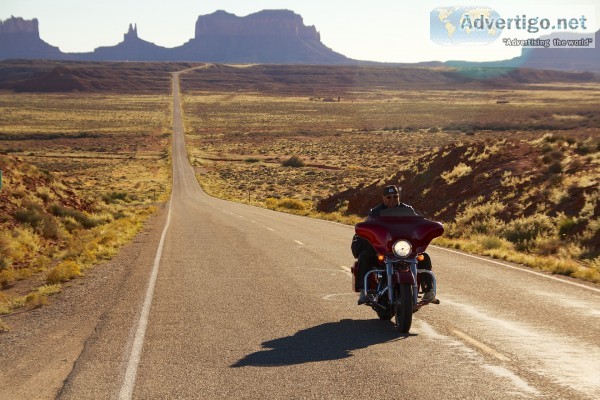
(394, 225)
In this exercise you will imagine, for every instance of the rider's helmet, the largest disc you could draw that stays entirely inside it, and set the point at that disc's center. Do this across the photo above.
(390, 190)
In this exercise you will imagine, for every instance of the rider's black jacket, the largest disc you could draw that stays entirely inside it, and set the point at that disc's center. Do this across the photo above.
(375, 211)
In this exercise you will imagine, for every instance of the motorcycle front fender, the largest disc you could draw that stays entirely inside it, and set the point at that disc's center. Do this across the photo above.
(404, 277)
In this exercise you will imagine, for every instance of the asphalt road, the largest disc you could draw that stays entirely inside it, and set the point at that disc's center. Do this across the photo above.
(230, 301)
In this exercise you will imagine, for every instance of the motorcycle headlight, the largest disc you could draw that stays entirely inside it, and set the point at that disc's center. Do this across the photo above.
(402, 248)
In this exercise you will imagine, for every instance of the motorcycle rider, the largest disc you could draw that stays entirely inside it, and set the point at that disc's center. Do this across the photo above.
(390, 199)
(362, 249)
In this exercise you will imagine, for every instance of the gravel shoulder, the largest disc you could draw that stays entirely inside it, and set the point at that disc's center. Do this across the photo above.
(39, 352)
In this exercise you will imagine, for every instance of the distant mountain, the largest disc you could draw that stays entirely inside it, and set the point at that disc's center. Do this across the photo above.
(272, 36)
(132, 48)
(21, 39)
(265, 37)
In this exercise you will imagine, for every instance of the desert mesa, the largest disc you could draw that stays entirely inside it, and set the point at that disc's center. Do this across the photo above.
(266, 37)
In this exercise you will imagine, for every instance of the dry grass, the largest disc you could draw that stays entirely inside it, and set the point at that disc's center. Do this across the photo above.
(452, 144)
(81, 173)
(351, 142)
(3, 327)
(63, 272)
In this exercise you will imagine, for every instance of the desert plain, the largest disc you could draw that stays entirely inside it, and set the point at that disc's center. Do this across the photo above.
(507, 159)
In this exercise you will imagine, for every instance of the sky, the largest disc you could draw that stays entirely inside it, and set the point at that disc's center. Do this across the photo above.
(379, 30)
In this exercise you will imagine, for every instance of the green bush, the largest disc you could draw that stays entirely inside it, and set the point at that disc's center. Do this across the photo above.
(566, 225)
(555, 167)
(85, 220)
(480, 213)
(42, 223)
(30, 215)
(294, 161)
(524, 231)
(491, 242)
(113, 197)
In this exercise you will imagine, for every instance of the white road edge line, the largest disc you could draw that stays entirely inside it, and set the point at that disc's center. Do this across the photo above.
(520, 269)
(136, 349)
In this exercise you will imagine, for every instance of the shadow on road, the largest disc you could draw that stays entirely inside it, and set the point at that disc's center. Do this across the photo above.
(330, 341)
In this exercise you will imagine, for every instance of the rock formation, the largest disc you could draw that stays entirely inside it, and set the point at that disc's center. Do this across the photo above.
(265, 37)
(20, 38)
(132, 48)
(276, 36)
(268, 23)
(271, 36)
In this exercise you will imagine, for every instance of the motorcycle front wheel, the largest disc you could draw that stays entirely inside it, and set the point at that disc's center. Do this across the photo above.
(404, 307)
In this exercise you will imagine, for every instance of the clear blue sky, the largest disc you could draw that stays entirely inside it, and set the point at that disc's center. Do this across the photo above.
(379, 30)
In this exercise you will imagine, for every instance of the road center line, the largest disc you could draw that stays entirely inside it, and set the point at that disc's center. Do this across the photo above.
(271, 229)
(136, 349)
(480, 346)
(299, 242)
(520, 269)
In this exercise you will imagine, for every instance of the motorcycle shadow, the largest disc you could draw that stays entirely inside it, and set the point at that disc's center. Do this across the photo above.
(330, 341)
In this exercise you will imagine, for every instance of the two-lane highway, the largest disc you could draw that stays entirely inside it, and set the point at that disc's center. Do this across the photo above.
(242, 302)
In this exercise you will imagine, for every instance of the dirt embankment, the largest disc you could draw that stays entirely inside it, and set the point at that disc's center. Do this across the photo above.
(25, 185)
(321, 80)
(548, 178)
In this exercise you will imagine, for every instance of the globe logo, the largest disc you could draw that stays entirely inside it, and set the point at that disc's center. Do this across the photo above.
(463, 25)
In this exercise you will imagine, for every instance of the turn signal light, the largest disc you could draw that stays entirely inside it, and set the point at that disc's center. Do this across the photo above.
(420, 257)
(380, 257)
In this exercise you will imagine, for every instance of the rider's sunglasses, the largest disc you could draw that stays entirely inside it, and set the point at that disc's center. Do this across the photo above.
(391, 196)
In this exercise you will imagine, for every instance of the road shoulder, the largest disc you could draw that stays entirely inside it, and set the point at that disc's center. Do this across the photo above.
(39, 352)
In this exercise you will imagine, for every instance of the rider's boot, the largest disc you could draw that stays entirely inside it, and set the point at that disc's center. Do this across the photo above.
(429, 296)
(362, 299)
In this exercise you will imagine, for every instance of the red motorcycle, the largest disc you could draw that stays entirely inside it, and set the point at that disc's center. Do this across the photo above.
(399, 238)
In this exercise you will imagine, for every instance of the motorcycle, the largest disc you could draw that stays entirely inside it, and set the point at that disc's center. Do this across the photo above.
(400, 238)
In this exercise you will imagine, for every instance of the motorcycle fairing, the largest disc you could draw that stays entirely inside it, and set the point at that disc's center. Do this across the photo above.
(384, 231)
